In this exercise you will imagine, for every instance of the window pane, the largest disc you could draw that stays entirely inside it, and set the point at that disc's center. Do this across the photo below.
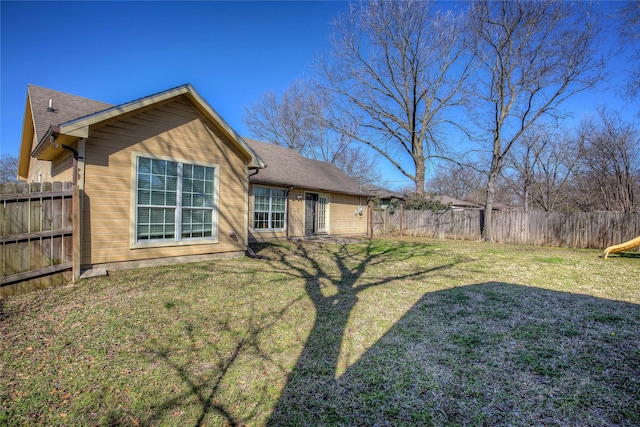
(144, 197)
(144, 165)
(198, 172)
(144, 181)
(172, 168)
(277, 220)
(187, 171)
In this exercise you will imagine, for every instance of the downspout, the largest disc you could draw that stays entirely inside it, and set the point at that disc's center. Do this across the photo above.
(81, 148)
(246, 218)
(255, 173)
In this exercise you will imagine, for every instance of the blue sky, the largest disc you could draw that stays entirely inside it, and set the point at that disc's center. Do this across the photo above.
(118, 51)
(231, 52)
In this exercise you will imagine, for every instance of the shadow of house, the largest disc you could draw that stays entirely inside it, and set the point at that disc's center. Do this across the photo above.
(521, 360)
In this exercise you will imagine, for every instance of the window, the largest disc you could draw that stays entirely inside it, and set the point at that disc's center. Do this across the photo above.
(175, 201)
(269, 208)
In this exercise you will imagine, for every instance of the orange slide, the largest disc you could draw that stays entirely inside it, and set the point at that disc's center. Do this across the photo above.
(621, 247)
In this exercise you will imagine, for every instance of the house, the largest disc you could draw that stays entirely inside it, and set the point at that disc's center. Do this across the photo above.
(295, 196)
(164, 179)
(383, 198)
(456, 204)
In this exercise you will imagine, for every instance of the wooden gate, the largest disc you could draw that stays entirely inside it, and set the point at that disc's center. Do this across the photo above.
(37, 244)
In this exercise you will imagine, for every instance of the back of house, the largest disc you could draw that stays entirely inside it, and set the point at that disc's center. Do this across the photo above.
(163, 178)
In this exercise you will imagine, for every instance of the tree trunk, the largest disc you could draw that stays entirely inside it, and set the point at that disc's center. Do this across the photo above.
(420, 175)
(487, 228)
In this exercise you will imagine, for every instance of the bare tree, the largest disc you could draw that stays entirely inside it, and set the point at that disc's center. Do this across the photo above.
(540, 168)
(459, 182)
(533, 56)
(630, 39)
(520, 166)
(609, 175)
(396, 69)
(297, 120)
(290, 121)
(358, 164)
(8, 168)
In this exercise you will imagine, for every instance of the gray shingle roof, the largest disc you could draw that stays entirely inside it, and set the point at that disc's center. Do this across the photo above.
(287, 167)
(445, 200)
(66, 107)
(382, 193)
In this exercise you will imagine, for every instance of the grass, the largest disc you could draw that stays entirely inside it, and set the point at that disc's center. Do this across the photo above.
(388, 332)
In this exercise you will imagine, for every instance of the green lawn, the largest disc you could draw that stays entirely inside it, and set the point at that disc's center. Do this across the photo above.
(388, 332)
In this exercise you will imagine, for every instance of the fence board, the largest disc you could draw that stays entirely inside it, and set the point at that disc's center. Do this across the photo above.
(36, 226)
(575, 230)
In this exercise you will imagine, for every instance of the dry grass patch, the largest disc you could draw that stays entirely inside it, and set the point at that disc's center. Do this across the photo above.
(389, 332)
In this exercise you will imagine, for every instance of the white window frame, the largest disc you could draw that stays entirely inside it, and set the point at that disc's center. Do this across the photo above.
(177, 240)
(253, 209)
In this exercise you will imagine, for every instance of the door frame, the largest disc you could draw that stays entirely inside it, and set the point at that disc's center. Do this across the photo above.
(312, 201)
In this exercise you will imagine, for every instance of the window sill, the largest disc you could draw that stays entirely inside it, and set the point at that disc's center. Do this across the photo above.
(144, 245)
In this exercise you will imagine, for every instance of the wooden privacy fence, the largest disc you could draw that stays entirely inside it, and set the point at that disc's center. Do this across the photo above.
(574, 230)
(37, 245)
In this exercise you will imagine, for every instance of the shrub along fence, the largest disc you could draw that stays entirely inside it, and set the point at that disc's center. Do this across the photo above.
(574, 230)
(37, 243)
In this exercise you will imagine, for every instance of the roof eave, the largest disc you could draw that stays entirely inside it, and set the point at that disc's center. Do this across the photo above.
(51, 144)
(26, 141)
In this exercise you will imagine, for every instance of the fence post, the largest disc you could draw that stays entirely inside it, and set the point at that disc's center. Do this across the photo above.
(75, 268)
(370, 215)
(401, 217)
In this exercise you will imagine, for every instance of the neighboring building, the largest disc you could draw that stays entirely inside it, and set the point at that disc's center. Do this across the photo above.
(164, 179)
(295, 196)
(382, 197)
(456, 203)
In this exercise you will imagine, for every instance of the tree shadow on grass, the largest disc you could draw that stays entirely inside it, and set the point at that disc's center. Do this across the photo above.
(483, 354)
(204, 389)
(312, 381)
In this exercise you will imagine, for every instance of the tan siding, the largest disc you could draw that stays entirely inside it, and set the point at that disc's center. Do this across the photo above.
(62, 167)
(342, 216)
(37, 167)
(176, 130)
(296, 213)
